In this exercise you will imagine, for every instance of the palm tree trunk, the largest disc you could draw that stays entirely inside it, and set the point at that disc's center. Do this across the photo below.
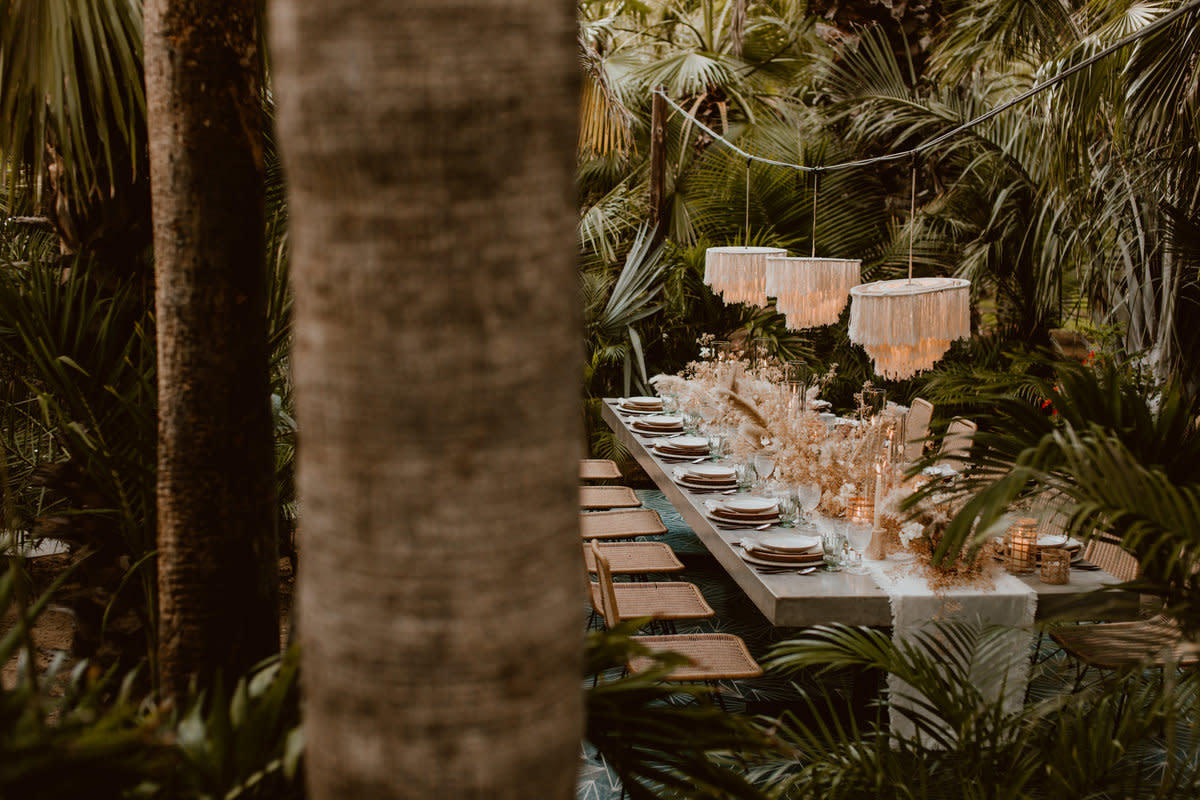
(437, 363)
(217, 564)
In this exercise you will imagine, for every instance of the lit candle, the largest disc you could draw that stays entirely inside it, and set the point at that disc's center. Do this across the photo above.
(1022, 546)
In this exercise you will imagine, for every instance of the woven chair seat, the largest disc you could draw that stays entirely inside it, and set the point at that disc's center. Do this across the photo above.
(630, 558)
(598, 469)
(672, 600)
(607, 497)
(713, 656)
(622, 524)
(1112, 645)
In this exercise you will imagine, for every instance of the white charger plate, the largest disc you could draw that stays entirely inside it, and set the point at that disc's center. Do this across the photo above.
(751, 505)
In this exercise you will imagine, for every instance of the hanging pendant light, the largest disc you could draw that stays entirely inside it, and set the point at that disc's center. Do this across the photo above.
(812, 291)
(907, 325)
(739, 274)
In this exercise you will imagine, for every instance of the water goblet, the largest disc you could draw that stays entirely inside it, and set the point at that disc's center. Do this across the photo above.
(808, 495)
(764, 464)
(858, 535)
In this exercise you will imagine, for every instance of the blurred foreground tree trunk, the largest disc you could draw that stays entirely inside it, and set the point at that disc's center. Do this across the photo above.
(430, 159)
(217, 564)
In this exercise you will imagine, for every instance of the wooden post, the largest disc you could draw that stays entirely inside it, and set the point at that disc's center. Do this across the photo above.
(658, 168)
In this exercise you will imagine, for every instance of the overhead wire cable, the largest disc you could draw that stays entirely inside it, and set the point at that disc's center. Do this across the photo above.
(913, 152)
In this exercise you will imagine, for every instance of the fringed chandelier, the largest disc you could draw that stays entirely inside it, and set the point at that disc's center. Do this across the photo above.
(811, 291)
(907, 325)
(739, 274)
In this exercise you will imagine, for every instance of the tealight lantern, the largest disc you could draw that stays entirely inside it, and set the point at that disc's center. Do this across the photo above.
(1021, 553)
(1056, 565)
(860, 511)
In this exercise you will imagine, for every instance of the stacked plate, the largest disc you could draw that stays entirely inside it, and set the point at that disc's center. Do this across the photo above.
(658, 425)
(744, 512)
(1073, 546)
(640, 405)
(782, 550)
(679, 448)
(706, 477)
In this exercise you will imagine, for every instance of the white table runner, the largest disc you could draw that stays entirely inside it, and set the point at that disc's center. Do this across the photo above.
(916, 606)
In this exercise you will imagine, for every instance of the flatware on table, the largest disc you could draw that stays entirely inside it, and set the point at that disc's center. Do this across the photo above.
(785, 570)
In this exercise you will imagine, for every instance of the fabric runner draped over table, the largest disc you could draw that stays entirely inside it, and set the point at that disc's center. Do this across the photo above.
(917, 607)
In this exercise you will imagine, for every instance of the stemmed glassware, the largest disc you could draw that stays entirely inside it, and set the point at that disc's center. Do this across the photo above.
(808, 495)
(764, 465)
(857, 527)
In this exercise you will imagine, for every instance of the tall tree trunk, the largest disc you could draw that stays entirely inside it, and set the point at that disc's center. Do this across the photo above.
(429, 151)
(217, 564)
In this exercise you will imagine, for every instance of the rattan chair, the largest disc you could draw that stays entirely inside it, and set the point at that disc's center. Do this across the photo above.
(621, 524)
(1154, 642)
(957, 442)
(605, 497)
(916, 428)
(635, 558)
(598, 469)
(711, 656)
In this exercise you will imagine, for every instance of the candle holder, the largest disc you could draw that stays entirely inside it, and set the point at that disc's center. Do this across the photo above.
(1021, 547)
(1056, 565)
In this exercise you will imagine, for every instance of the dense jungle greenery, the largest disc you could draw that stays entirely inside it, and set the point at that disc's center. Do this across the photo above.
(1076, 215)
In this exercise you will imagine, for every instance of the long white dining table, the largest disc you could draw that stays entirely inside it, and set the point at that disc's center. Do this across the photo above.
(822, 597)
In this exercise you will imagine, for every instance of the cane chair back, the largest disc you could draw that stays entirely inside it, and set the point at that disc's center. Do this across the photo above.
(916, 428)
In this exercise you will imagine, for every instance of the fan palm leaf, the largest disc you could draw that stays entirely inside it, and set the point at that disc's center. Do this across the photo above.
(70, 75)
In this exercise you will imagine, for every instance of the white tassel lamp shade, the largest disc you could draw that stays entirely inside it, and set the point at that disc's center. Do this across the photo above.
(811, 291)
(739, 274)
(906, 325)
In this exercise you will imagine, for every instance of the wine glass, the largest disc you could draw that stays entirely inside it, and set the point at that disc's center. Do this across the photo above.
(764, 465)
(857, 527)
(808, 495)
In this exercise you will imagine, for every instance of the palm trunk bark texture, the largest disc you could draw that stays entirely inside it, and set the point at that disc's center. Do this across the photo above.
(429, 150)
(217, 563)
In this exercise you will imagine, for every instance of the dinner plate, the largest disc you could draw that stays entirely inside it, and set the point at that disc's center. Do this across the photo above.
(685, 442)
(790, 543)
(744, 524)
(780, 558)
(660, 421)
(751, 505)
(718, 513)
(1058, 540)
(709, 472)
(676, 452)
(761, 561)
(642, 401)
(705, 487)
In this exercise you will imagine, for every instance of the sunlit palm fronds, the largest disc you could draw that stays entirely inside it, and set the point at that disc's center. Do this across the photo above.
(70, 78)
